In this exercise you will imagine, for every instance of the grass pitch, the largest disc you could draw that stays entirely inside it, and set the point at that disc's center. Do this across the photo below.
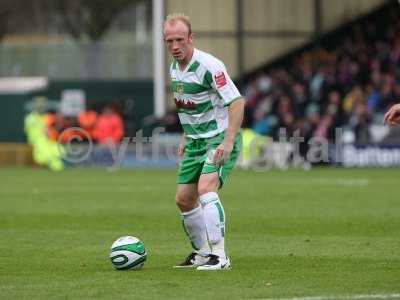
(327, 232)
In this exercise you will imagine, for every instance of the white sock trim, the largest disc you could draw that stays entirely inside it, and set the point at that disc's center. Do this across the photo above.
(208, 198)
(191, 212)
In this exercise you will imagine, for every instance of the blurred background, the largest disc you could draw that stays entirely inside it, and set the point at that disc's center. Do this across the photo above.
(307, 66)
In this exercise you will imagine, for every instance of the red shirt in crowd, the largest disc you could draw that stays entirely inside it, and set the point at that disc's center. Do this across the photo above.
(109, 128)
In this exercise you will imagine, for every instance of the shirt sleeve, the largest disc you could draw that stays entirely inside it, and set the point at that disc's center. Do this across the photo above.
(222, 83)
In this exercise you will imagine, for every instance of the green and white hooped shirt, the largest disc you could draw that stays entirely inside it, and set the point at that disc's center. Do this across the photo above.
(202, 94)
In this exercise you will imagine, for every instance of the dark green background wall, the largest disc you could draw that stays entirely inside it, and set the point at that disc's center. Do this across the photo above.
(135, 97)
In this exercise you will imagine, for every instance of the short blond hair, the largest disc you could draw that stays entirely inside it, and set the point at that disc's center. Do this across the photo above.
(174, 17)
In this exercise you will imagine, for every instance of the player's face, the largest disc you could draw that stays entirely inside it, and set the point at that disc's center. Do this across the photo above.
(178, 40)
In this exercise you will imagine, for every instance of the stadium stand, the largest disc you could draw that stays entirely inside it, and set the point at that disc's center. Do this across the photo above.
(347, 79)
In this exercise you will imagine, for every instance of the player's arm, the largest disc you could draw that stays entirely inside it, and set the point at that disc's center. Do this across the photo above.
(392, 117)
(230, 96)
(236, 112)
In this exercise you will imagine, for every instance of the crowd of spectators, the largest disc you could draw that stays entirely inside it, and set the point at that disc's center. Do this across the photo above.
(102, 128)
(349, 86)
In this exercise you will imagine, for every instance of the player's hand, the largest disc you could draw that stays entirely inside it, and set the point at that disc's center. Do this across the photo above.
(181, 150)
(223, 152)
(392, 117)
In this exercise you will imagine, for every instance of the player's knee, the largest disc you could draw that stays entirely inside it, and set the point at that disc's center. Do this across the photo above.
(184, 202)
(207, 186)
(204, 189)
(180, 201)
(207, 189)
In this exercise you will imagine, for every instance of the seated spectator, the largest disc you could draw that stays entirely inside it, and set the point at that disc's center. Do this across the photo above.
(109, 127)
(87, 121)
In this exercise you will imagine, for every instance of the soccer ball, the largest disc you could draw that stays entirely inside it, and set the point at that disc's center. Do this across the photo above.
(128, 253)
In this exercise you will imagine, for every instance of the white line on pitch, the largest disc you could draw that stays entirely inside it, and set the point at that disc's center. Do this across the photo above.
(349, 297)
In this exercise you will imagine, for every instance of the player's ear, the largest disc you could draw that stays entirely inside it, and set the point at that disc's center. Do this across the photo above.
(191, 37)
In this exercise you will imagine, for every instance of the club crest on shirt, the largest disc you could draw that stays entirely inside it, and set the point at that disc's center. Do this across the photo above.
(179, 88)
(220, 79)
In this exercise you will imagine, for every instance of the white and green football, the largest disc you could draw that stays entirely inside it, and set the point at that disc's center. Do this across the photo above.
(127, 253)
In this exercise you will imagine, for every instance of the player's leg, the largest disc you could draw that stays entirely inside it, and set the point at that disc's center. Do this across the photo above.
(187, 201)
(186, 197)
(214, 219)
(211, 180)
(193, 224)
(192, 215)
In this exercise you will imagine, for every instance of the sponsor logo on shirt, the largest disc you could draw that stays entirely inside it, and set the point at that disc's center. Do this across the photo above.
(182, 104)
(220, 79)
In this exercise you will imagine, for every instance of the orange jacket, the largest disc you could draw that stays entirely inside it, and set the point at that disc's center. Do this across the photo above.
(109, 127)
(87, 121)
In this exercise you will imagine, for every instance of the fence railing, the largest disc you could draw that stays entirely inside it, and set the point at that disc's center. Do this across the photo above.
(66, 60)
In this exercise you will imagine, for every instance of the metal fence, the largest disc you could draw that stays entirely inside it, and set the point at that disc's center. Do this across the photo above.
(119, 58)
